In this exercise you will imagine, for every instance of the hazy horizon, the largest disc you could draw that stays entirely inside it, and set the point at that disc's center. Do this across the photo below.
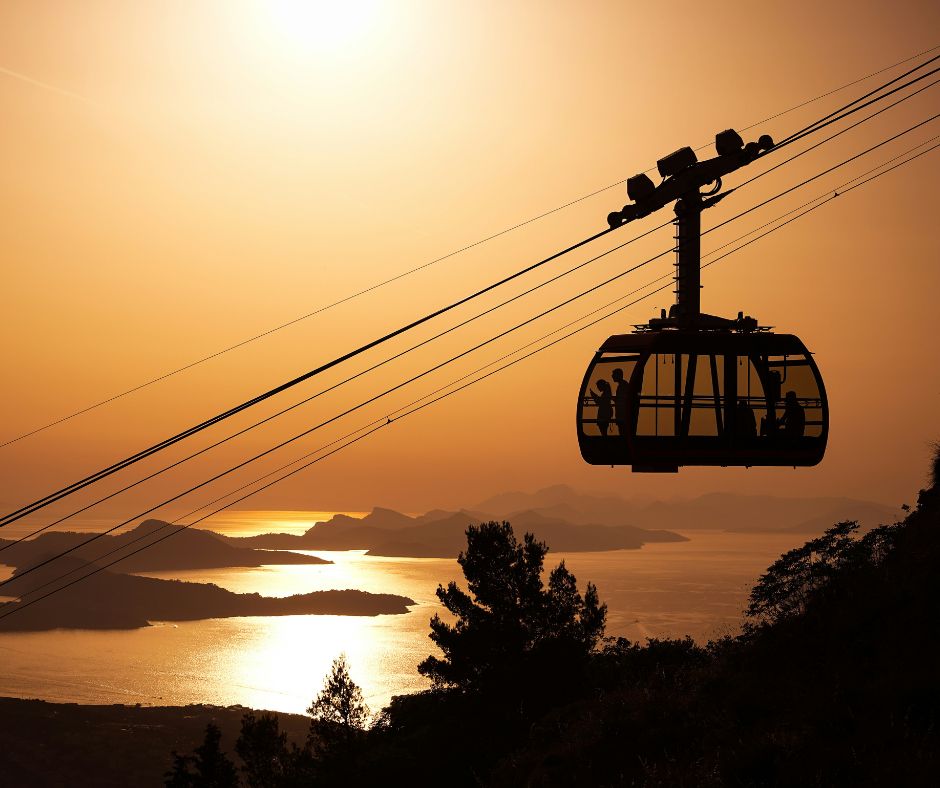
(249, 521)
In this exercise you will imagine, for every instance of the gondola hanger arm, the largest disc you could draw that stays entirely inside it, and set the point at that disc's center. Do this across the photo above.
(684, 175)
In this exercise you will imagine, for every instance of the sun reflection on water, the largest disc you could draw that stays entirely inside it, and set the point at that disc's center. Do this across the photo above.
(280, 662)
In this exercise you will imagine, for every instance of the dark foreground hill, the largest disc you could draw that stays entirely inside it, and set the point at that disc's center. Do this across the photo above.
(64, 744)
(107, 600)
(187, 549)
(441, 534)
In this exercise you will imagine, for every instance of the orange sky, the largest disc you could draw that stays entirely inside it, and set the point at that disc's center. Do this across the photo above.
(180, 176)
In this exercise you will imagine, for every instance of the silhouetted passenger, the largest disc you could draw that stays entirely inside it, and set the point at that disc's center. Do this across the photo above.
(773, 385)
(605, 409)
(622, 406)
(793, 420)
(771, 424)
(745, 423)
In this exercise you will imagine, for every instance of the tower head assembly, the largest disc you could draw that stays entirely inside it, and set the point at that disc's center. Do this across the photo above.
(684, 177)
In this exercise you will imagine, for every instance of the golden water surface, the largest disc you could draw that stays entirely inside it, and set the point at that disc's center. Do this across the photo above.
(697, 587)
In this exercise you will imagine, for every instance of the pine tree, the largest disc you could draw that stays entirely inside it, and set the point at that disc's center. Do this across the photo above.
(262, 746)
(211, 767)
(339, 712)
(511, 632)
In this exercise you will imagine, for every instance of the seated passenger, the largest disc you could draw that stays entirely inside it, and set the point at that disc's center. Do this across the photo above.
(793, 420)
(745, 424)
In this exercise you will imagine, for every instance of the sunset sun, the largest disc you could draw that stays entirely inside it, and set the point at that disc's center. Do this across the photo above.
(318, 25)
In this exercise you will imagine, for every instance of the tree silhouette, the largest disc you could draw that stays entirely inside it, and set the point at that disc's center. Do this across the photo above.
(212, 769)
(339, 712)
(510, 628)
(263, 749)
(801, 574)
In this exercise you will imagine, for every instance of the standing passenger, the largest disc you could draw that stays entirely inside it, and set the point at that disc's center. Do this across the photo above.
(604, 407)
(622, 407)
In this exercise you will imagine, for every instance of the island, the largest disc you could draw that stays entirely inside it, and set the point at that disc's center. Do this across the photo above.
(108, 600)
(184, 549)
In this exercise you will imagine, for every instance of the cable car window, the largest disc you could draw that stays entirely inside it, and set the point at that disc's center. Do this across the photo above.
(751, 407)
(605, 405)
(704, 401)
(682, 395)
(798, 404)
(657, 407)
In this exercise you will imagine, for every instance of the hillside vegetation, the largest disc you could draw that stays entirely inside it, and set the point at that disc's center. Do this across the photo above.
(834, 681)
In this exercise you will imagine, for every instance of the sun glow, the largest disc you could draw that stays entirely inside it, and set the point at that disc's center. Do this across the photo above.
(321, 25)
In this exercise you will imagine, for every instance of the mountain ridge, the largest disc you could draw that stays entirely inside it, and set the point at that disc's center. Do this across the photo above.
(187, 549)
(714, 511)
(442, 534)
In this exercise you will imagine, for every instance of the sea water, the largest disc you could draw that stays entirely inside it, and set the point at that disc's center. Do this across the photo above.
(696, 588)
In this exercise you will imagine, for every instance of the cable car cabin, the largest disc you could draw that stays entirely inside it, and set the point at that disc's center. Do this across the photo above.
(658, 400)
